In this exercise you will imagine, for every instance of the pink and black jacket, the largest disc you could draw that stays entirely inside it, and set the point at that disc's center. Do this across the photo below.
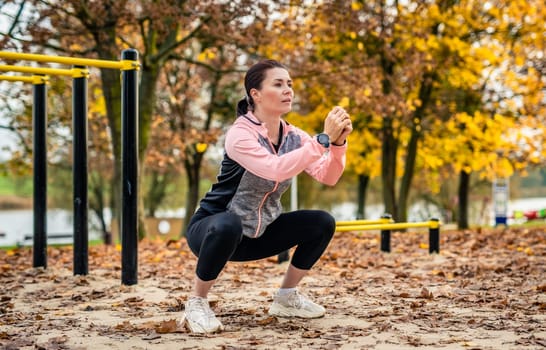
(253, 175)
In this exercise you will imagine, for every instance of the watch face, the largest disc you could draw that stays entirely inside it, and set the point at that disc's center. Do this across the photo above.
(323, 139)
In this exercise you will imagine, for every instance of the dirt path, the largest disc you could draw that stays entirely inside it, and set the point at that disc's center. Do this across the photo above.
(485, 290)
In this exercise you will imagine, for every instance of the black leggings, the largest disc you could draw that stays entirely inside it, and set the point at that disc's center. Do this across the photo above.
(218, 238)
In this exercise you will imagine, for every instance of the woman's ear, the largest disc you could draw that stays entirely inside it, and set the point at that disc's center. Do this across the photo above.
(255, 94)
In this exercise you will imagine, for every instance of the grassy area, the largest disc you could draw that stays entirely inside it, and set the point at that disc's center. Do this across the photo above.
(10, 186)
(92, 243)
(15, 193)
(532, 223)
(6, 187)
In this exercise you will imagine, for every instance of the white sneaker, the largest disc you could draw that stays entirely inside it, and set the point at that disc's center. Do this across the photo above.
(199, 318)
(295, 304)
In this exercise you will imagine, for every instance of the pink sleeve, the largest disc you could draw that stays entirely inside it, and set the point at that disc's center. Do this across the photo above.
(329, 168)
(242, 146)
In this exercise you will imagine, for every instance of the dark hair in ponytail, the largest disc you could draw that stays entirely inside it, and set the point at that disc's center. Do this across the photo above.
(253, 80)
(243, 106)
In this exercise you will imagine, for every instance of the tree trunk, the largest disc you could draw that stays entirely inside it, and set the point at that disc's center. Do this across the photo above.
(425, 91)
(147, 100)
(389, 147)
(97, 204)
(112, 97)
(388, 167)
(147, 97)
(405, 184)
(156, 191)
(193, 169)
(107, 49)
(464, 187)
(363, 181)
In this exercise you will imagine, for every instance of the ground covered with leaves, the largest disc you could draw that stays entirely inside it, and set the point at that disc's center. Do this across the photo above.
(485, 290)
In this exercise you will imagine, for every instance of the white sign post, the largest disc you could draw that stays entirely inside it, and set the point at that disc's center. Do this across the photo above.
(501, 195)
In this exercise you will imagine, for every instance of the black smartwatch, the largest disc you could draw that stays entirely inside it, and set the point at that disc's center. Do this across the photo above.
(324, 140)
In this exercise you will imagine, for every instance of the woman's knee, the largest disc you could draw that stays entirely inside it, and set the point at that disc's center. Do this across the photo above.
(326, 221)
(227, 228)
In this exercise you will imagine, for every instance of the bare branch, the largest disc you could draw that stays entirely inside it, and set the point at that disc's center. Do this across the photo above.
(207, 66)
(16, 19)
(165, 51)
(7, 127)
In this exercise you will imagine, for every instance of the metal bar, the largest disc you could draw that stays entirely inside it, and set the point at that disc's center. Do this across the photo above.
(434, 236)
(364, 222)
(386, 241)
(386, 235)
(129, 173)
(17, 79)
(74, 72)
(124, 65)
(39, 154)
(79, 144)
(391, 226)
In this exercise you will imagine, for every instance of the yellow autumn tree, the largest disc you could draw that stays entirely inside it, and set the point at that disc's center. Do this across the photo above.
(328, 70)
(386, 59)
(491, 122)
(405, 66)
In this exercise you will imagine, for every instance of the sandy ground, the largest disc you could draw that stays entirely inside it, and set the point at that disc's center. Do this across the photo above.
(485, 290)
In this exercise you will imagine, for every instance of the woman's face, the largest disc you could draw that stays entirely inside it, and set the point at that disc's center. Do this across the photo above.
(276, 94)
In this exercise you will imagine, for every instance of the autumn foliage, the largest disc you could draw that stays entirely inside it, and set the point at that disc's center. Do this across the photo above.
(440, 92)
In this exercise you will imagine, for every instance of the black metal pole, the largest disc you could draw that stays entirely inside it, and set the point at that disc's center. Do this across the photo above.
(79, 144)
(129, 173)
(434, 238)
(39, 120)
(386, 236)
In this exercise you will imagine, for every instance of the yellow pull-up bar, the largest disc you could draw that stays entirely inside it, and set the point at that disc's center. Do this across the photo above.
(35, 79)
(391, 226)
(123, 64)
(74, 72)
(364, 222)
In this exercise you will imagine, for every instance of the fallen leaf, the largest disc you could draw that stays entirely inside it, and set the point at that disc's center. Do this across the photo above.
(169, 326)
(311, 334)
(425, 293)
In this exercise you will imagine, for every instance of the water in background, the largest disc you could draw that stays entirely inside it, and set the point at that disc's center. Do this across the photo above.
(479, 213)
(16, 224)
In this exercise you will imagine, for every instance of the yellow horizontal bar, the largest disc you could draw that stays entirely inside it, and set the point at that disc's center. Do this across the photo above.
(392, 226)
(74, 72)
(13, 78)
(123, 65)
(35, 79)
(363, 222)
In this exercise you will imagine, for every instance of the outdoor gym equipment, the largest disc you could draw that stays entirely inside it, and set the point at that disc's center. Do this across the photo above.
(129, 66)
(386, 226)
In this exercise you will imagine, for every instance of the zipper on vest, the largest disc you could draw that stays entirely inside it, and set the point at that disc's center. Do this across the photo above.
(268, 193)
(261, 206)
